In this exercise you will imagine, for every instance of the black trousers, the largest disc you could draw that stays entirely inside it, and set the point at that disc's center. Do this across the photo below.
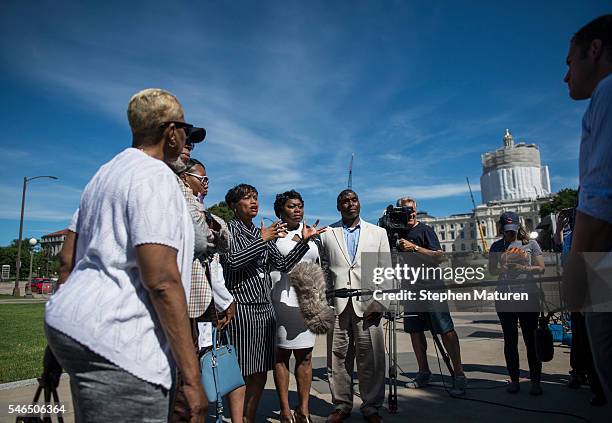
(581, 358)
(529, 324)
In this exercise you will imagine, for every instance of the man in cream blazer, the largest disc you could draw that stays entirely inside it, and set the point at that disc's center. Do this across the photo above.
(357, 331)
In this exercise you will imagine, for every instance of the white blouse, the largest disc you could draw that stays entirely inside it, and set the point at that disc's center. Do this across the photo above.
(132, 200)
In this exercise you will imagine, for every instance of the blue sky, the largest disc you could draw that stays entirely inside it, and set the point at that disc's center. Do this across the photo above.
(287, 91)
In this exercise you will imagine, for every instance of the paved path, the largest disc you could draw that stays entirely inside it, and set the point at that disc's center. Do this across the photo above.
(482, 350)
(23, 301)
(6, 288)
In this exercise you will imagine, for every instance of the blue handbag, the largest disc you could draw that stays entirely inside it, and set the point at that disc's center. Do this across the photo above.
(220, 370)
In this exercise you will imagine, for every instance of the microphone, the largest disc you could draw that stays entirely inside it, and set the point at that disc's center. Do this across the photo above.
(308, 280)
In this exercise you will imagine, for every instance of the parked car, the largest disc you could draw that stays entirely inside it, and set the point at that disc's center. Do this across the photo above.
(41, 285)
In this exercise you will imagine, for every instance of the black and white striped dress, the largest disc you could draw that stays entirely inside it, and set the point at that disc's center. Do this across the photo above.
(246, 269)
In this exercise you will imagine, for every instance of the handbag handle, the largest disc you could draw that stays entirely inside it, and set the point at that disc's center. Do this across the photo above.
(215, 347)
(224, 337)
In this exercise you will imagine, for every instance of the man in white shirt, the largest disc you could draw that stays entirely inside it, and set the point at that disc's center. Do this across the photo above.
(590, 76)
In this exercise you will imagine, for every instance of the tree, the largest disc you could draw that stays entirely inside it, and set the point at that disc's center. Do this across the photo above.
(565, 198)
(8, 255)
(222, 210)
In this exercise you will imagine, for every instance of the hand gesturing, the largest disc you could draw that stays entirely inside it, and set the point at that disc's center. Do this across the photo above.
(310, 231)
(276, 230)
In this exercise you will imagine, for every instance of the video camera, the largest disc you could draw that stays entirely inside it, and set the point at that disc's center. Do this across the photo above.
(395, 222)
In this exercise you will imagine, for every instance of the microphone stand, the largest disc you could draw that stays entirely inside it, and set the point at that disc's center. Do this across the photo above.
(391, 317)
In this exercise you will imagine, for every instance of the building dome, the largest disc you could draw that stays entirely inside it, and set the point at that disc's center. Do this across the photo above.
(513, 172)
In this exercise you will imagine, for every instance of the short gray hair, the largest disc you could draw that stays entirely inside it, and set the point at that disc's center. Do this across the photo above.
(148, 109)
(401, 201)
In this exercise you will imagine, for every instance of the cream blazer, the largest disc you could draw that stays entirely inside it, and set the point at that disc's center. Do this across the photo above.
(342, 273)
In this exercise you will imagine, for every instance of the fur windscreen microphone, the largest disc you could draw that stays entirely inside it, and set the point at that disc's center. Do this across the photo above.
(308, 280)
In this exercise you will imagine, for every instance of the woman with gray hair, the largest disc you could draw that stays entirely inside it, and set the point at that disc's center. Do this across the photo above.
(119, 324)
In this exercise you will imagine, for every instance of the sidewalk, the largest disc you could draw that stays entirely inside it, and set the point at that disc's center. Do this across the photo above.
(482, 350)
(6, 288)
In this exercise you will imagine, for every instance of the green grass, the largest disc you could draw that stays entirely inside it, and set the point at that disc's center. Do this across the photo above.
(22, 341)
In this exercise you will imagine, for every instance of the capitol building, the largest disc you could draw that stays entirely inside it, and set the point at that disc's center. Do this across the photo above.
(513, 179)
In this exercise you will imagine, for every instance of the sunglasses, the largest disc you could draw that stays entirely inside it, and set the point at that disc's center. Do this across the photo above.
(203, 179)
(187, 127)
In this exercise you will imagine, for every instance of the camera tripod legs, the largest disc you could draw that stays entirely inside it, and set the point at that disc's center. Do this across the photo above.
(392, 342)
(440, 348)
(392, 352)
(444, 354)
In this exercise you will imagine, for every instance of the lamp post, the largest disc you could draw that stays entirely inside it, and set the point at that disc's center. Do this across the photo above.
(28, 288)
(16, 292)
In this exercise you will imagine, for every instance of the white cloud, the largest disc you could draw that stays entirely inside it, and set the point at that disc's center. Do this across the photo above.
(46, 200)
(564, 181)
(420, 192)
(391, 157)
(284, 106)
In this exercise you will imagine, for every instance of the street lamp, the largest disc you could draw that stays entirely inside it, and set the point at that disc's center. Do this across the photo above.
(16, 292)
(28, 288)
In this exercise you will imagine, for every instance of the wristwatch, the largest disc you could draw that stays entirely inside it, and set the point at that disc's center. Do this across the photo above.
(416, 248)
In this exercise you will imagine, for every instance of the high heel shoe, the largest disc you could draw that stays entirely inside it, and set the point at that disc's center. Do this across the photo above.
(301, 418)
(287, 419)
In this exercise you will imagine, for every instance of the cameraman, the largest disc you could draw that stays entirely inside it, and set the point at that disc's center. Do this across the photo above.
(422, 241)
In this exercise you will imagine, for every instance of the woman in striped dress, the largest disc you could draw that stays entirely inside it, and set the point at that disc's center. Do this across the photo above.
(247, 270)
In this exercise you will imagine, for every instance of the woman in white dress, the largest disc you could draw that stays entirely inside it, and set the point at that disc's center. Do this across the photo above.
(292, 335)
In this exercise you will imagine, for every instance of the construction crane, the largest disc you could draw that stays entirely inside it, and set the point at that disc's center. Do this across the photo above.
(485, 248)
(350, 177)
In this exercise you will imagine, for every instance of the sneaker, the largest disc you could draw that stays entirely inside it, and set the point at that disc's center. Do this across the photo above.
(459, 386)
(421, 380)
(536, 389)
(513, 387)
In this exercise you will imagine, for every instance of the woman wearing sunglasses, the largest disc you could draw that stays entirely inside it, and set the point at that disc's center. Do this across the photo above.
(118, 325)
(207, 279)
(194, 176)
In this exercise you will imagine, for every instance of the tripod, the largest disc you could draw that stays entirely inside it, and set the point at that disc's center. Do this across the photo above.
(392, 372)
(436, 338)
